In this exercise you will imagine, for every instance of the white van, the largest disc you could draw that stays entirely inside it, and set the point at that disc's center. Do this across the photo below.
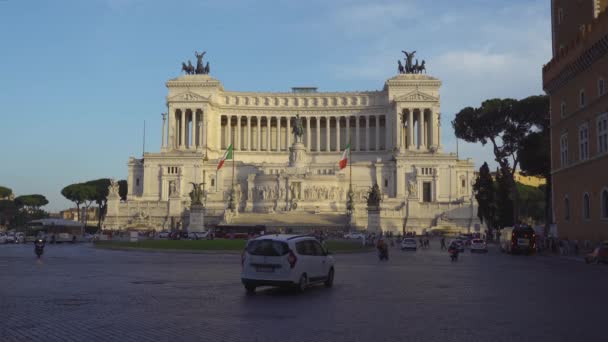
(286, 260)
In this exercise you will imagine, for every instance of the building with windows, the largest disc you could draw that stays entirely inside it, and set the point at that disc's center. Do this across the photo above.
(395, 139)
(575, 80)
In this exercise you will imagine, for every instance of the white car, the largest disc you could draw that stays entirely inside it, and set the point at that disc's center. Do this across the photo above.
(163, 235)
(479, 245)
(286, 260)
(19, 237)
(354, 236)
(409, 244)
(2, 238)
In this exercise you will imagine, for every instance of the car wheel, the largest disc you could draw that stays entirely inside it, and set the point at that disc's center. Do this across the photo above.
(329, 282)
(250, 289)
(302, 283)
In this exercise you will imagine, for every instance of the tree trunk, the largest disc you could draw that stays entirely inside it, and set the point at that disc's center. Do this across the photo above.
(78, 212)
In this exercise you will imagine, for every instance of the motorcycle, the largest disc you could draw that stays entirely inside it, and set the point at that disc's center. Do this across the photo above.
(453, 254)
(383, 253)
(39, 247)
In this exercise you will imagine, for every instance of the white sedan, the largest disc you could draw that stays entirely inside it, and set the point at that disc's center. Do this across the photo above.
(354, 236)
(409, 244)
(479, 245)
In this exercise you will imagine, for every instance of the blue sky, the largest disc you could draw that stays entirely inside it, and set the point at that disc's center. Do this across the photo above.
(79, 77)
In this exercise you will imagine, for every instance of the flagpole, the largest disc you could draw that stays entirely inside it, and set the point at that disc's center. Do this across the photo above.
(350, 167)
(233, 162)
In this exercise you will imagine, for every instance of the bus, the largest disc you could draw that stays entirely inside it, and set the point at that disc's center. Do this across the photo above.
(518, 239)
(56, 230)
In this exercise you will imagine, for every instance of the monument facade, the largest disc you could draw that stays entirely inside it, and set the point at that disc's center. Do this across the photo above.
(286, 152)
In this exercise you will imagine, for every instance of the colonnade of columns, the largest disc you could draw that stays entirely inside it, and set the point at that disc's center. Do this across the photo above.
(420, 131)
(186, 129)
(322, 133)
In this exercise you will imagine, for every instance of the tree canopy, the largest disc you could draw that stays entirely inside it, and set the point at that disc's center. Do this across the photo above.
(506, 124)
(32, 202)
(5, 192)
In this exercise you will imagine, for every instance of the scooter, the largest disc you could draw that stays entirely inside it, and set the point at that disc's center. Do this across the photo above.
(383, 253)
(39, 247)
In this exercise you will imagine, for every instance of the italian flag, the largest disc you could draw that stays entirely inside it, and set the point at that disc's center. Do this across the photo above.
(227, 155)
(344, 159)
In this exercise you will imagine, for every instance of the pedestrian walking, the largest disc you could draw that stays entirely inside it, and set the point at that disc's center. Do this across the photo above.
(443, 246)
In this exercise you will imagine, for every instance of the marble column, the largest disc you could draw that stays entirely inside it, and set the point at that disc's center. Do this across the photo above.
(424, 129)
(357, 135)
(248, 133)
(288, 133)
(258, 122)
(410, 129)
(204, 134)
(367, 132)
(377, 132)
(183, 129)
(229, 125)
(328, 135)
(419, 142)
(268, 119)
(237, 135)
(318, 123)
(194, 130)
(162, 142)
(308, 134)
(278, 134)
(338, 133)
(432, 128)
(438, 130)
(387, 142)
(348, 130)
(397, 130)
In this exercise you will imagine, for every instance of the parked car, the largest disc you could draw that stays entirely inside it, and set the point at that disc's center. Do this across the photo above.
(10, 237)
(286, 260)
(19, 237)
(409, 244)
(163, 235)
(599, 254)
(2, 238)
(459, 243)
(479, 245)
(354, 236)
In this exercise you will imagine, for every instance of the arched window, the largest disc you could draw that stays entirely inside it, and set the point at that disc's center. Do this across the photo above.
(586, 210)
(605, 203)
(566, 209)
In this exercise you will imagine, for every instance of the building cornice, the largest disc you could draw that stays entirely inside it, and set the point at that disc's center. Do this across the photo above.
(569, 71)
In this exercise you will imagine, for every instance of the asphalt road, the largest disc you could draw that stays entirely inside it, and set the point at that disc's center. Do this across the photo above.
(78, 293)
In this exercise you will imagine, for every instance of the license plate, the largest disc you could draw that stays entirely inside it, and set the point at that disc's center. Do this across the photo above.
(523, 242)
(265, 269)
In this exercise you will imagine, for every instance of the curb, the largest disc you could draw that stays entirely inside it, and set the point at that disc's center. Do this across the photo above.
(196, 251)
(154, 250)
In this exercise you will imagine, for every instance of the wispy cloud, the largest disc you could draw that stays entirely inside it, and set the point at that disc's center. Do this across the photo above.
(372, 17)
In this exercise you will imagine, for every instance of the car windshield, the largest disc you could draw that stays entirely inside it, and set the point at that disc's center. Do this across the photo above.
(477, 241)
(409, 241)
(267, 248)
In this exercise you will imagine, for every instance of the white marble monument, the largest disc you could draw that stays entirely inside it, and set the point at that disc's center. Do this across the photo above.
(394, 132)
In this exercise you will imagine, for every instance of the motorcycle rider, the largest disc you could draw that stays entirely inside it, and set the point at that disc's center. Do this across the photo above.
(453, 250)
(39, 247)
(382, 249)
